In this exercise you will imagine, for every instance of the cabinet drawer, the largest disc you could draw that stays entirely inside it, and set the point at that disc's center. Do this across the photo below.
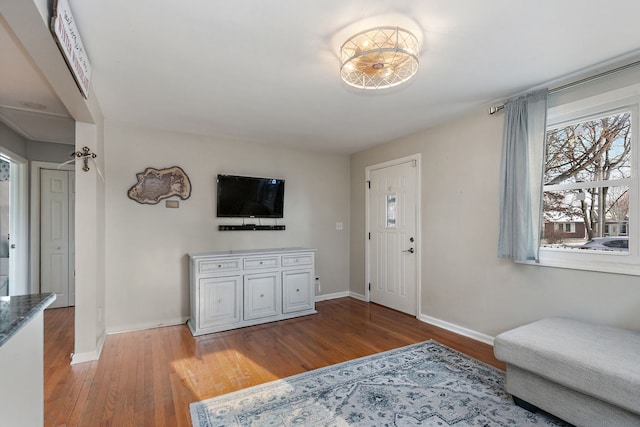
(255, 263)
(212, 266)
(289, 260)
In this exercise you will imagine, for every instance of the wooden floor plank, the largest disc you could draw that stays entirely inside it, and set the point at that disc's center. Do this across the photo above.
(148, 378)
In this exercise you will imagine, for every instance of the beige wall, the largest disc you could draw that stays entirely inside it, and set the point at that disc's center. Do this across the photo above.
(10, 140)
(463, 282)
(146, 263)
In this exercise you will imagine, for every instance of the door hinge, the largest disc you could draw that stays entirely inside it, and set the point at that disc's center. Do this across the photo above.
(369, 286)
(369, 184)
(369, 235)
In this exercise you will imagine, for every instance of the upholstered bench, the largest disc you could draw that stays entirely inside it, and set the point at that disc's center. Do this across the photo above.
(586, 374)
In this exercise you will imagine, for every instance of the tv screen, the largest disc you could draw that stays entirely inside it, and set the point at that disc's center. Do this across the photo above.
(250, 197)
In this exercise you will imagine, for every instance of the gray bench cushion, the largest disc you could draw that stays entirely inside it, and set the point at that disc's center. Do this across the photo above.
(596, 360)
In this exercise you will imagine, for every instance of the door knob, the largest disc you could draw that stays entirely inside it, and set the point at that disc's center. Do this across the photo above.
(410, 250)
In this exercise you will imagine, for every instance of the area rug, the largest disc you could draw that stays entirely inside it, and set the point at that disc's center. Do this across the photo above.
(425, 384)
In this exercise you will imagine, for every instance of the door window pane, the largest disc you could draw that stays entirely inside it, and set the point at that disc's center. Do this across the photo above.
(391, 202)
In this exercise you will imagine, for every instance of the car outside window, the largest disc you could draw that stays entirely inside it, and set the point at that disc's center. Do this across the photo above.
(621, 244)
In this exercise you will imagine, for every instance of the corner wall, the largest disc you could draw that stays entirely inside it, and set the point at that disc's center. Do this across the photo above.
(463, 281)
(147, 281)
(12, 141)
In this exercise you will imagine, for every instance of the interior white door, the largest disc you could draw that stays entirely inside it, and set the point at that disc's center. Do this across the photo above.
(392, 246)
(56, 244)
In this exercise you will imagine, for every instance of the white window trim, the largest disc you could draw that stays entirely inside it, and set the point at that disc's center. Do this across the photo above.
(609, 262)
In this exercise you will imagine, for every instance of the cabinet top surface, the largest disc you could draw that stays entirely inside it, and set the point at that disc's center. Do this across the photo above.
(17, 311)
(230, 253)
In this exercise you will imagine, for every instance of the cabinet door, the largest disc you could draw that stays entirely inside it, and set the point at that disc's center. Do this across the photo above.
(220, 301)
(261, 295)
(297, 291)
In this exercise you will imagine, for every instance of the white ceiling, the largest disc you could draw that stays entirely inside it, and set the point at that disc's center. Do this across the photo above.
(27, 103)
(268, 71)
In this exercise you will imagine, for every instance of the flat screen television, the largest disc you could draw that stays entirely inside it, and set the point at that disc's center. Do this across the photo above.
(250, 197)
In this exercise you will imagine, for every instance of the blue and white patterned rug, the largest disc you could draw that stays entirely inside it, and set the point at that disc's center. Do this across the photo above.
(425, 384)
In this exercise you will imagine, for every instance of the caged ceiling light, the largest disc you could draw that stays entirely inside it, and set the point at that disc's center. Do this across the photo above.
(379, 58)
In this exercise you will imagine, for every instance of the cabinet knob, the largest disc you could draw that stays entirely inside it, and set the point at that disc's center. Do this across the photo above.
(261, 295)
(297, 290)
(260, 262)
(220, 301)
(219, 265)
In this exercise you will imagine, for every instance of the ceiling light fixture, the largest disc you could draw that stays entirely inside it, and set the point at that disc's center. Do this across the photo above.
(379, 58)
(33, 105)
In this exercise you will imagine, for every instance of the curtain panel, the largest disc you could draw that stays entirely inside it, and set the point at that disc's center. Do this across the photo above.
(521, 174)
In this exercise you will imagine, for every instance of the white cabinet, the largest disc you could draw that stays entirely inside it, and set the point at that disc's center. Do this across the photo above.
(233, 289)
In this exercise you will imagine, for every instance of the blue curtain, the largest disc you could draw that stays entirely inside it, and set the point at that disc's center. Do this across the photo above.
(521, 177)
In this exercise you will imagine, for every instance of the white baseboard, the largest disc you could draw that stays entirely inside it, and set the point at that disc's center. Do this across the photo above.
(358, 296)
(89, 356)
(145, 326)
(332, 296)
(460, 330)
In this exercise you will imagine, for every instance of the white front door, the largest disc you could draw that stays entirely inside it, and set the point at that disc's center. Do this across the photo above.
(57, 194)
(393, 236)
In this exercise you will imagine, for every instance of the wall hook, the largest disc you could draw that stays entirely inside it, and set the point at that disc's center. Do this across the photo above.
(85, 155)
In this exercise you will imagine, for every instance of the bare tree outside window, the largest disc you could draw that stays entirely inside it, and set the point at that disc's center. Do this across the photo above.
(586, 178)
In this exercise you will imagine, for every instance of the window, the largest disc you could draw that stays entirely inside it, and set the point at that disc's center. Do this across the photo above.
(565, 227)
(587, 173)
(590, 185)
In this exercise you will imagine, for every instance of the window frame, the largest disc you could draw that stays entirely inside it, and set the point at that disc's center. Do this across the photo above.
(627, 98)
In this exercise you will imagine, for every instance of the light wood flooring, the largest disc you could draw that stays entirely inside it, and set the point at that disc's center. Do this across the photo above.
(148, 378)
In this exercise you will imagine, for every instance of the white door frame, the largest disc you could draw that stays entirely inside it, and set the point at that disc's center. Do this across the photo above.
(36, 167)
(19, 224)
(417, 158)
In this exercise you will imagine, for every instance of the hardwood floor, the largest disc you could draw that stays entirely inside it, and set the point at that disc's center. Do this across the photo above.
(148, 378)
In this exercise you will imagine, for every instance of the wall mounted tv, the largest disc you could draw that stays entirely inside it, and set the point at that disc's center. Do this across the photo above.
(250, 197)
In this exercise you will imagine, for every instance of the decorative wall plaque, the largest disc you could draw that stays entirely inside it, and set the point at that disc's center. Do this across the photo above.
(158, 184)
(64, 28)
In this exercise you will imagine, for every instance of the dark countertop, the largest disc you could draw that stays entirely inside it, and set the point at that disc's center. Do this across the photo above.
(17, 311)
